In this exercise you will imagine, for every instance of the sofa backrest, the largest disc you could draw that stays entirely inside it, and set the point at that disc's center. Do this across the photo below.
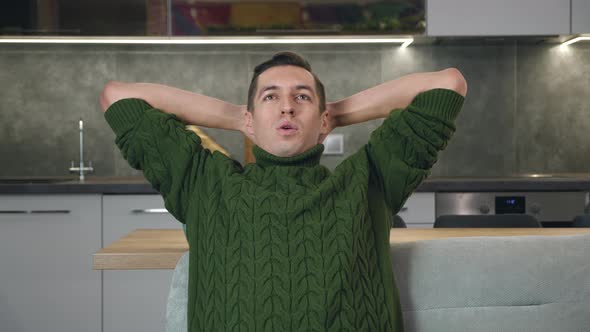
(513, 283)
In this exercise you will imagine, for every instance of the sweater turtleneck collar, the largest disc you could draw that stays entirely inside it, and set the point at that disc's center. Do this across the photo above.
(309, 158)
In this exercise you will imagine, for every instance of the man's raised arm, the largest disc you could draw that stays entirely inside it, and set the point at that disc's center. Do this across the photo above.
(379, 101)
(190, 107)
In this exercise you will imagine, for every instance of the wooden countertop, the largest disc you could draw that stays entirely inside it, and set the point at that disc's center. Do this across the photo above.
(147, 249)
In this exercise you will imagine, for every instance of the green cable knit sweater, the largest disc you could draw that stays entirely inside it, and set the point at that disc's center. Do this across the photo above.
(284, 244)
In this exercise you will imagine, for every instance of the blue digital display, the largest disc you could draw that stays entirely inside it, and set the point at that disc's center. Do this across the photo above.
(510, 204)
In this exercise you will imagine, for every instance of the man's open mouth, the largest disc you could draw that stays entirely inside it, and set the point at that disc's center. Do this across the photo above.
(287, 128)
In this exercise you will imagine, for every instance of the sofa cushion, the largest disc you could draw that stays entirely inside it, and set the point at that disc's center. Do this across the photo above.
(515, 283)
(176, 308)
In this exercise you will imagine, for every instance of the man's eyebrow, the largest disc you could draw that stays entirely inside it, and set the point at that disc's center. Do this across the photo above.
(267, 88)
(304, 87)
(274, 87)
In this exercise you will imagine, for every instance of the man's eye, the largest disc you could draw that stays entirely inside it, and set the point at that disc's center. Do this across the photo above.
(268, 97)
(304, 97)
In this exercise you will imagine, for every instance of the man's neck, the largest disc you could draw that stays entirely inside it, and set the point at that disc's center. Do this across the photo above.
(308, 158)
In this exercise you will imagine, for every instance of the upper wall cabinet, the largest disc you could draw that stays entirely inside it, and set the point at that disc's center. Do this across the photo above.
(499, 17)
(211, 17)
(580, 16)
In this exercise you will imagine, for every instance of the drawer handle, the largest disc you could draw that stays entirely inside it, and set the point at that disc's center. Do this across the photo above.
(403, 209)
(35, 211)
(51, 211)
(149, 211)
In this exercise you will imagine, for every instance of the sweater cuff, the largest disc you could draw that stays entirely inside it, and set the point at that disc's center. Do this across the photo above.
(123, 114)
(442, 103)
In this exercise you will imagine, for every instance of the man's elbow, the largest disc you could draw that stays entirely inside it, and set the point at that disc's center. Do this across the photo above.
(454, 80)
(109, 95)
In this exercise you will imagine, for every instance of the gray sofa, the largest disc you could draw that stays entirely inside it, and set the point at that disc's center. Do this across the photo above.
(516, 283)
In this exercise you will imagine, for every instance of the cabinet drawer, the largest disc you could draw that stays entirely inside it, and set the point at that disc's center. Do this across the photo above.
(419, 209)
(580, 16)
(135, 300)
(125, 213)
(46, 277)
(498, 17)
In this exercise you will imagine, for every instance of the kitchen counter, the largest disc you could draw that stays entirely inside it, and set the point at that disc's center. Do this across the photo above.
(138, 185)
(71, 185)
(162, 248)
(540, 182)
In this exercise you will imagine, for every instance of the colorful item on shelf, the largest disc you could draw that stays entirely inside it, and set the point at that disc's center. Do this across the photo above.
(266, 15)
(252, 17)
(198, 18)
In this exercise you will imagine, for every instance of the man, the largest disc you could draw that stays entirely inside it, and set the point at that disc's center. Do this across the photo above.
(284, 244)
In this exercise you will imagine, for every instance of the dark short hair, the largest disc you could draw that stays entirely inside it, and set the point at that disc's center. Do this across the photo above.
(285, 59)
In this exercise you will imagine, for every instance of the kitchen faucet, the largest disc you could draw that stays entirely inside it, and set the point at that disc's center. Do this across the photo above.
(81, 167)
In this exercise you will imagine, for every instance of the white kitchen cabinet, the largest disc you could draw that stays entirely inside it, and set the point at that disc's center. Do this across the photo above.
(134, 300)
(419, 210)
(580, 16)
(46, 278)
(498, 17)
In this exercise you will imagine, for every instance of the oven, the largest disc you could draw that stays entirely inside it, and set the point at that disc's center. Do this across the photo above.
(552, 209)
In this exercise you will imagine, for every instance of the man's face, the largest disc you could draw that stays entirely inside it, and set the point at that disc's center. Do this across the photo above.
(286, 119)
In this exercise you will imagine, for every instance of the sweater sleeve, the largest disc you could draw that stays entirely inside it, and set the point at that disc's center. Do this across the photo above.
(158, 144)
(404, 148)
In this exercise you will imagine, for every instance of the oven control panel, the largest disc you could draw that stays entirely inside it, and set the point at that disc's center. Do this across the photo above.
(545, 206)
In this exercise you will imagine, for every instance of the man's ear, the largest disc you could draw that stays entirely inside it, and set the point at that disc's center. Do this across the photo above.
(325, 126)
(249, 128)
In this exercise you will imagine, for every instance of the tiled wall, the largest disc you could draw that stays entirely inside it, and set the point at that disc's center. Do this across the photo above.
(528, 107)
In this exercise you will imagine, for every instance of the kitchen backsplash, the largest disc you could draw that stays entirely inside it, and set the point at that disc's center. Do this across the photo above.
(527, 109)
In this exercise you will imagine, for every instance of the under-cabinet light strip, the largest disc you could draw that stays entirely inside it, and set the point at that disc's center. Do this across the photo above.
(195, 41)
(575, 40)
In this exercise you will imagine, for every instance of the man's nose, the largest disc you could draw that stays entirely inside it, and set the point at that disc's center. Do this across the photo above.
(287, 108)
